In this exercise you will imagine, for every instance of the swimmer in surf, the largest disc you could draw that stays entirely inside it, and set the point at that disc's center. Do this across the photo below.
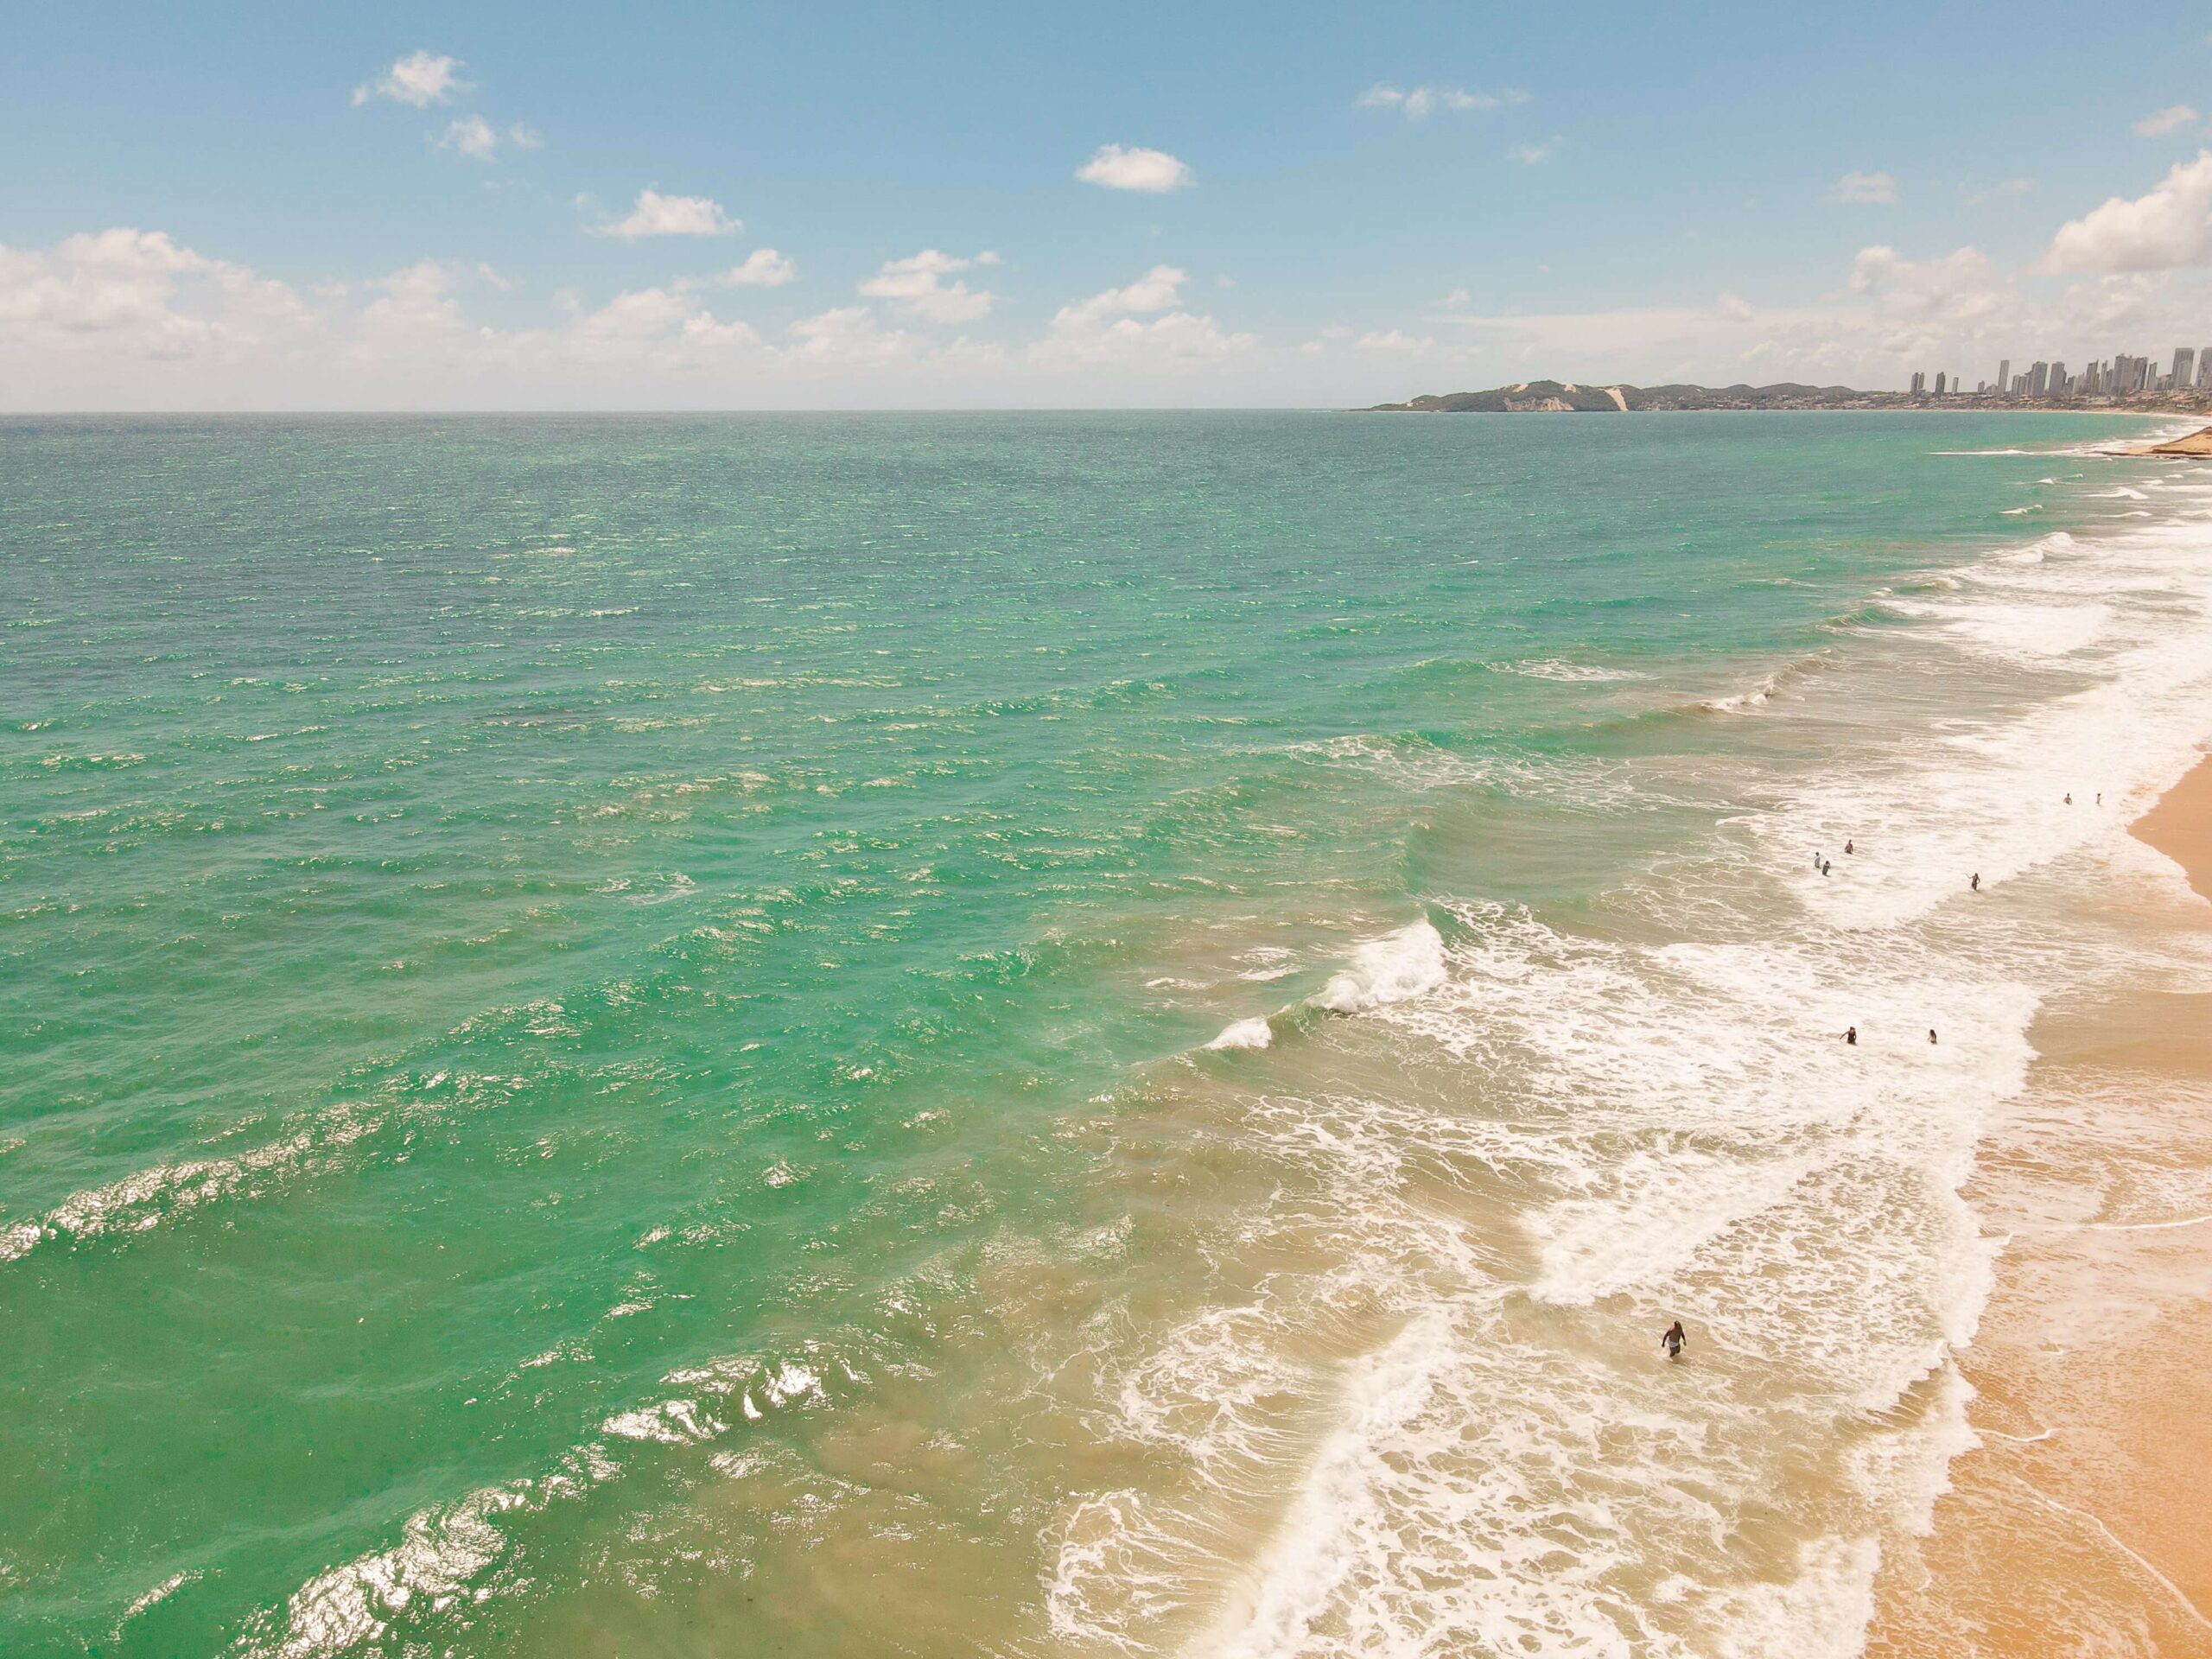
(1976, 883)
(1931, 1036)
(1675, 1340)
(1846, 847)
(1824, 867)
(1851, 1035)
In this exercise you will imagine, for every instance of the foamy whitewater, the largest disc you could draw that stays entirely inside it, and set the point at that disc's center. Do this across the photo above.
(1071, 1035)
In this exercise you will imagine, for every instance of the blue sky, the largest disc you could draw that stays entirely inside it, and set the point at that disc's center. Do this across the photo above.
(268, 207)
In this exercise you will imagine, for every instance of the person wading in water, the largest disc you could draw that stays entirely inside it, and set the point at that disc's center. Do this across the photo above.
(1675, 1340)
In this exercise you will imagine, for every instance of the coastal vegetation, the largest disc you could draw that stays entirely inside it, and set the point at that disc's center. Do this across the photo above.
(1566, 397)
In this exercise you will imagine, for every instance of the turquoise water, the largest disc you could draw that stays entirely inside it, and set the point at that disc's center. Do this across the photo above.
(602, 1021)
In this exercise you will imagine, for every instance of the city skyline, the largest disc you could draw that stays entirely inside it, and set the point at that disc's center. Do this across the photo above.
(2121, 375)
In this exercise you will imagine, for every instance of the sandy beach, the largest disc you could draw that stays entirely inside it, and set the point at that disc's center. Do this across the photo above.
(2080, 1523)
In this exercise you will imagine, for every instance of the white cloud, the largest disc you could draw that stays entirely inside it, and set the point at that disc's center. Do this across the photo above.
(1421, 102)
(417, 302)
(1331, 334)
(1151, 170)
(2171, 227)
(420, 79)
(127, 295)
(916, 285)
(1923, 284)
(763, 268)
(2171, 119)
(1894, 314)
(850, 333)
(1395, 341)
(472, 136)
(1530, 155)
(663, 328)
(1875, 189)
(1103, 328)
(523, 137)
(658, 215)
(1155, 290)
(130, 318)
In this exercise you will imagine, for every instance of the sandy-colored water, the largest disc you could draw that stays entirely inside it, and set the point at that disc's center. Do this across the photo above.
(1082, 1038)
(2083, 1522)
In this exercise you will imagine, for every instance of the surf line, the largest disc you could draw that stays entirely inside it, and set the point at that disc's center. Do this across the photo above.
(2123, 1226)
(2112, 1538)
(2018, 1440)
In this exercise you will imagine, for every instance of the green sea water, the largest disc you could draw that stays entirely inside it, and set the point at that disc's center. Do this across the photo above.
(603, 1021)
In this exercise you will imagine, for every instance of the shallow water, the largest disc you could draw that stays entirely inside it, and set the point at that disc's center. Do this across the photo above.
(1033, 1033)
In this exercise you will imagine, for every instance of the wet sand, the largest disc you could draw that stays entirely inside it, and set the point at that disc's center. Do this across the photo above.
(2081, 1524)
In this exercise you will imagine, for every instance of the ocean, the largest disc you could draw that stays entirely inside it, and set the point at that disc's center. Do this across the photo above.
(1036, 1035)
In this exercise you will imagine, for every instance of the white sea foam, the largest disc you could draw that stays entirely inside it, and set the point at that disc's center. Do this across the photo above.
(1738, 701)
(1927, 809)
(148, 1198)
(441, 1552)
(1244, 1033)
(1684, 1133)
(1389, 970)
(2024, 631)
(1553, 668)
(448, 1555)
(1563, 1140)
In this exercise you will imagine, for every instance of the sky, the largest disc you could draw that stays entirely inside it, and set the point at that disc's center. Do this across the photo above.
(239, 207)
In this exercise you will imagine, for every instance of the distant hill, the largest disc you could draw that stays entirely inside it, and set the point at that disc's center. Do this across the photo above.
(1542, 396)
(1531, 396)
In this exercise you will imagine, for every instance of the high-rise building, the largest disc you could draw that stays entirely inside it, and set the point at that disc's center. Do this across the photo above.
(1919, 382)
(2204, 368)
(1939, 383)
(2039, 380)
(2184, 367)
(2004, 376)
(2060, 385)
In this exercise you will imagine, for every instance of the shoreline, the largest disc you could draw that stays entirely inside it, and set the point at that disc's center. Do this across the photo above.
(2075, 1522)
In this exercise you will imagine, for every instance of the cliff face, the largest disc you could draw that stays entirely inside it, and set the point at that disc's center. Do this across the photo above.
(1547, 397)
